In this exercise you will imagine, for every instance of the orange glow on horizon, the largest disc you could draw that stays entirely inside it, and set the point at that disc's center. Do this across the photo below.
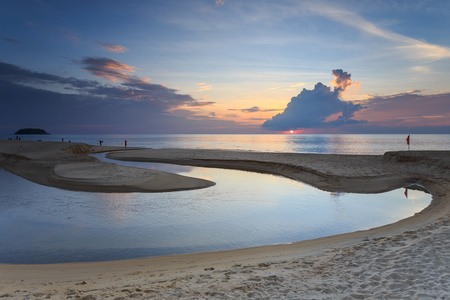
(291, 131)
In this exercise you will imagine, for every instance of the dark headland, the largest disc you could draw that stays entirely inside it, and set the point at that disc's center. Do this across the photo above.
(31, 131)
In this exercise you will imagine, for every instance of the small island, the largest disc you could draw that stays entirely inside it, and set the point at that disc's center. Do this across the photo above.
(31, 131)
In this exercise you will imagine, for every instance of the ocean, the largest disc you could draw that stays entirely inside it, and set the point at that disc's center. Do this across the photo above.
(366, 144)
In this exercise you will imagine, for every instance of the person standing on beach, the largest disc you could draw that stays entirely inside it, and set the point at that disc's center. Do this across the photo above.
(125, 143)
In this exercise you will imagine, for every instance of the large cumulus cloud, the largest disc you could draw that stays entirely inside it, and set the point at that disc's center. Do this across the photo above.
(313, 108)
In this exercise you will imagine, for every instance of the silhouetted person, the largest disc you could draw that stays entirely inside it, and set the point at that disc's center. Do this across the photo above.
(125, 143)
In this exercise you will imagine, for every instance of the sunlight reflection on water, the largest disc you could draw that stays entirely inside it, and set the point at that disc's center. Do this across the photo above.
(299, 143)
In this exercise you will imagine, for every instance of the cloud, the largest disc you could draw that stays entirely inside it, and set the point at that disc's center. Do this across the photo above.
(296, 85)
(14, 74)
(409, 109)
(107, 68)
(407, 112)
(313, 108)
(420, 69)
(9, 40)
(136, 105)
(68, 113)
(254, 109)
(113, 48)
(413, 48)
(291, 87)
(73, 36)
(200, 103)
(220, 2)
(134, 87)
(343, 84)
(341, 81)
(202, 86)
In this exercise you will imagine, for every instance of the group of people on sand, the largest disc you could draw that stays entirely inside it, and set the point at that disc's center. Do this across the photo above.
(62, 140)
(101, 143)
(17, 138)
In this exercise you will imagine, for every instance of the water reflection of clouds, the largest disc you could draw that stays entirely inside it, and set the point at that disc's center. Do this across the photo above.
(340, 144)
(339, 207)
(415, 195)
(243, 207)
(113, 206)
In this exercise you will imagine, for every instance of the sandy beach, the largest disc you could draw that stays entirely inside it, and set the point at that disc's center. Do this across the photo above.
(405, 260)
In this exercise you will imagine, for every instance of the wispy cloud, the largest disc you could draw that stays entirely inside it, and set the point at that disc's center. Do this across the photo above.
(135, 87)
(412, 47)
(253, 109)
(73, 36)
(9, 40)
(200, 103)
(130, 87)
(291, 87)
(113, 48)
(107, 68)
(202, 86)
(421, 69)
(297, 85)
(273, 13)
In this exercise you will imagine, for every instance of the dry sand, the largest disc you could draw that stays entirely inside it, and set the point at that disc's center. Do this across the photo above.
(409, 259)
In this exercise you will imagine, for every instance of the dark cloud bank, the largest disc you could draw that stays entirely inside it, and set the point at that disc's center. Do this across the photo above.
(71, 105)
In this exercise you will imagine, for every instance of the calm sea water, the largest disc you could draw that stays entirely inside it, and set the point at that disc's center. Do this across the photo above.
(308, 143)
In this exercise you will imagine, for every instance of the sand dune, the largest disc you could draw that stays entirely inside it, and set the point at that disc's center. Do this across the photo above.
(407, 260)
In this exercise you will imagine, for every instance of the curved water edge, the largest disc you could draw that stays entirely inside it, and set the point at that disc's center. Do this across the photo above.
(184, 169)
(77, 226)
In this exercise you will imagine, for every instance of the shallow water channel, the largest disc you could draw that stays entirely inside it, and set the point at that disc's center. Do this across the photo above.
(40, 224)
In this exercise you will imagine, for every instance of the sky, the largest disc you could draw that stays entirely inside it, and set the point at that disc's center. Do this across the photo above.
(225, 66)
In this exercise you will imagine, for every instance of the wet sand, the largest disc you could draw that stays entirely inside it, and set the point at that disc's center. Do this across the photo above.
(407, 259)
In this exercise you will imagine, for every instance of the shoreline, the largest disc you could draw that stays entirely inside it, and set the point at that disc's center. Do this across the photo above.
(192, 275)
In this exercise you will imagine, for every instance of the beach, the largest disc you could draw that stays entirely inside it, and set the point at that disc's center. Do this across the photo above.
(405, 260)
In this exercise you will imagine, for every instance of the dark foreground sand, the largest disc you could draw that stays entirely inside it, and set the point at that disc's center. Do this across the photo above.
(409, 259)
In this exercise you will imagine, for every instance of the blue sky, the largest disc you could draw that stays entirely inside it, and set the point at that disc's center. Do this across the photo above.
(225, 66)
